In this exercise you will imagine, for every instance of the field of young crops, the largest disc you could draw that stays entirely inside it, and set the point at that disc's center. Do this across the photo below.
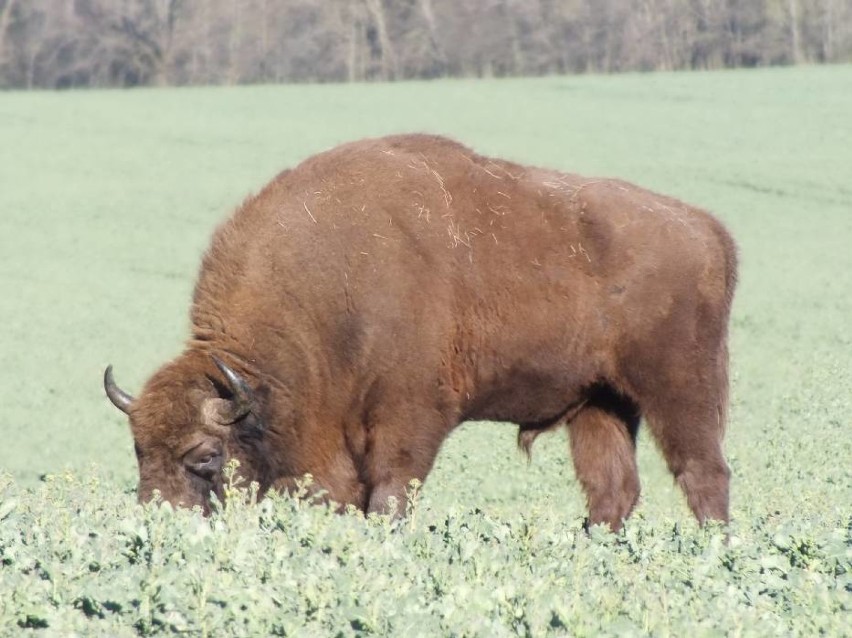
(107, 200)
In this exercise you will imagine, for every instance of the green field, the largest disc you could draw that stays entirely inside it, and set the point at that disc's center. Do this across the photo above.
(107, 200)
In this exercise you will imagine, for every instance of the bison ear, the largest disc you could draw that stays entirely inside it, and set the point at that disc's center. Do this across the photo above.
(218, 412)
(237, 399)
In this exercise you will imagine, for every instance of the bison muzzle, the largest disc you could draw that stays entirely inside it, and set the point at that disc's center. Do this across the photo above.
(362, 305)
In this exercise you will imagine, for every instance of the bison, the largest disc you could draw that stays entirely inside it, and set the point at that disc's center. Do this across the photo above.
(368, 301)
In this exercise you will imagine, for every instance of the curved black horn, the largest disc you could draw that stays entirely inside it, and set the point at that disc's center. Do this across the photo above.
(243, 399)
(119, 397)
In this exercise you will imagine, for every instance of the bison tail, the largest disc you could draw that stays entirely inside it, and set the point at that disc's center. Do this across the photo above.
(528, 432)
(526, 438)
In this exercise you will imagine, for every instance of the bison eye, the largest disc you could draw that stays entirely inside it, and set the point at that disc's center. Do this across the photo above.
(204, 461)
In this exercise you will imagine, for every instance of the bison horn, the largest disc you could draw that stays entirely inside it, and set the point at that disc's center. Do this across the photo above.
(242, 400)
(119, 397)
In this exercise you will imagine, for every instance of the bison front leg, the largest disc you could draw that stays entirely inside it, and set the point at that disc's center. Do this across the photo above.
(604, 451)
(389, 499)
(400, 450)
(336, 482)
(393, 471)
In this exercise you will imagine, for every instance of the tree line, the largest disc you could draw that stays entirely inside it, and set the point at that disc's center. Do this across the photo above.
(93, 43)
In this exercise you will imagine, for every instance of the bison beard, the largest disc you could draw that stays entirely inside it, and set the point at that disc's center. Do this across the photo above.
(365, 303)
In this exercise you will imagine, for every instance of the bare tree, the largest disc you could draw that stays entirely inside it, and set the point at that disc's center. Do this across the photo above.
(795, 26)
(382, 46)
(6, 9)
(69, 43)
(432, 30)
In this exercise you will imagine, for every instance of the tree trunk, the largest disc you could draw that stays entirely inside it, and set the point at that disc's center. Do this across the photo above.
(5, 21)
(795, 37)
(234, 43)
(354, 70)
(828, 17)
(434, 42)
(388, 59)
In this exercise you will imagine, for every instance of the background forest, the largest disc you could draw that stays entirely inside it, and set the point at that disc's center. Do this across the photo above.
(80, 43)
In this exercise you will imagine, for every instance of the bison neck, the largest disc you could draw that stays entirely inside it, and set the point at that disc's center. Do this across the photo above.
(301, 369)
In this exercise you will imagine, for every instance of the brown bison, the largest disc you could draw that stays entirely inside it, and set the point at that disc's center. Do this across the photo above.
(365, 303)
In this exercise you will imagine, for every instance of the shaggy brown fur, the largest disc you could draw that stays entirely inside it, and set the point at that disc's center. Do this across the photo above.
(383, 292)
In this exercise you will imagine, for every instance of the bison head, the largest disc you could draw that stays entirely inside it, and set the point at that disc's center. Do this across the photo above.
(193, 415)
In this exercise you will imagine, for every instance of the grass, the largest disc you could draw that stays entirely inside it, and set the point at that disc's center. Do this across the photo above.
(108, 199)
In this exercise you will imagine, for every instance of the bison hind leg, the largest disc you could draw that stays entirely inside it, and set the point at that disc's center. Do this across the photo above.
(687, 421)
(603, 447)
(689, 435)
